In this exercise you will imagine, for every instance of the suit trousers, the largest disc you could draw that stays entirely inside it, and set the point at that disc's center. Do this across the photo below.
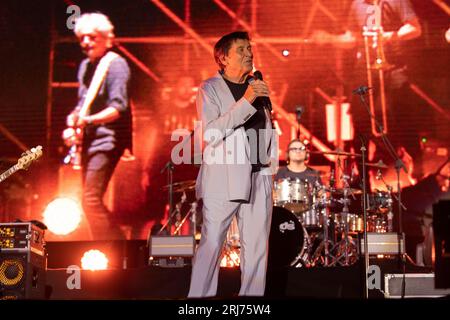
(254, 218)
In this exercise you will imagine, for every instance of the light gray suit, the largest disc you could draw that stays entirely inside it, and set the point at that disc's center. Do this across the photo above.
(227, 186)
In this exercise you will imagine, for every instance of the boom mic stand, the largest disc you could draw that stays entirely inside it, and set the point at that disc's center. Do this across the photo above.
(361, 91)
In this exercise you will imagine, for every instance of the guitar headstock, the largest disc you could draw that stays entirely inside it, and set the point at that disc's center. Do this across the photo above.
(29, 156)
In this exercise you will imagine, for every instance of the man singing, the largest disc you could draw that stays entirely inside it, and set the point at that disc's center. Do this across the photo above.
(235, 178)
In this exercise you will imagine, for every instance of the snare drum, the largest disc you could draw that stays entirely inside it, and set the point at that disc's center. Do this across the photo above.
(288, 241)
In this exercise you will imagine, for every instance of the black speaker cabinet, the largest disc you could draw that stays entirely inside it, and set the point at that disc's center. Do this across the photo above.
(22, 276)
(441, 228)
(22, 261)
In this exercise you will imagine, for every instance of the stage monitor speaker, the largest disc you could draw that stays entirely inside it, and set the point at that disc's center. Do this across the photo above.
(441, 228)
(171, 251)
(417, 285)
(387, 243)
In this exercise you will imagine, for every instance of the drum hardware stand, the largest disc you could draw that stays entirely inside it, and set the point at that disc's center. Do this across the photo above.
(345, 201)
(172, 214)
(326, 242)
(344, 217)
(193, 211)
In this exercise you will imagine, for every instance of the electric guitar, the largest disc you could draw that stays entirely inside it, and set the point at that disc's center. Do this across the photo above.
(23, 163)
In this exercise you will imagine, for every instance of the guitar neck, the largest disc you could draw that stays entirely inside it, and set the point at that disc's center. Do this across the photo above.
(5, 175)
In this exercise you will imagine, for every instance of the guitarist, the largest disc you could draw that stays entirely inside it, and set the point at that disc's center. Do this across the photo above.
(104, 120)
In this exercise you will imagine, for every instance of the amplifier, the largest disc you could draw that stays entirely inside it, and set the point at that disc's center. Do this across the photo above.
(22, 237)
(417, 285)
(383, 243)
(23, 261)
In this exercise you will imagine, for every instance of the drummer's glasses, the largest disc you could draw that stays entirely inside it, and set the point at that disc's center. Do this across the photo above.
(303, 148)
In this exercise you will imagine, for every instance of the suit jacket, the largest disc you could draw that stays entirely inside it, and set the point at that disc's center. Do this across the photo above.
(225, 172)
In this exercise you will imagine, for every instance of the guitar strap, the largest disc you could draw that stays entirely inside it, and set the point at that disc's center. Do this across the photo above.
(97, 80)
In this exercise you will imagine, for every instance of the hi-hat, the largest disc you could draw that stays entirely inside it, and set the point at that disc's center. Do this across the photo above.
(349, 191)
(337, 153)
(380, 165)
(181, 186)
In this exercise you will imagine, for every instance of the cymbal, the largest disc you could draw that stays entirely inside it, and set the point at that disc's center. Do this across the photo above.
(337, 153)
(181, 186)
(350, 191)
(379, 165)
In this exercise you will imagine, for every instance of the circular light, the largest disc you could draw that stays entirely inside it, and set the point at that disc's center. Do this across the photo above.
(285, 52)
(94, 260)
(62, 216)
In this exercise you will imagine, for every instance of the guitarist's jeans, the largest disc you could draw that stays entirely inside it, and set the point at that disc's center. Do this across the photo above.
(97, 171)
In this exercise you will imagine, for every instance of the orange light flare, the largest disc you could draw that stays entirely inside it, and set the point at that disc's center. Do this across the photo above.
(94, 260)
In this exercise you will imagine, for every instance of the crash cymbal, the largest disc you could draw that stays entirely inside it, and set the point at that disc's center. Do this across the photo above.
(350, 191)
(337, 153)
(379, 165)
(181, 186)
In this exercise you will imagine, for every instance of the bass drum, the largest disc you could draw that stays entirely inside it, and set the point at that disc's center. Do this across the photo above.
(288, 241)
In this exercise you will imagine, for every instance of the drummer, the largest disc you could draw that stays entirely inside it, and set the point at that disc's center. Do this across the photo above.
(297, 156)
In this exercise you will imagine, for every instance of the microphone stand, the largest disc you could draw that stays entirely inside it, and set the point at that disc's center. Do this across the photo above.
(398, 166)
(170, 168)
(366, 242)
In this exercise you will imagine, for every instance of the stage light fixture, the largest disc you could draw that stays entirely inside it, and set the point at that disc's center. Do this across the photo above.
(62, 216)
(94, 260)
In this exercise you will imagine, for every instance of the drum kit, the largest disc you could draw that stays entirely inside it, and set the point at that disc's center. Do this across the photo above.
(308, 230)
(312, 224)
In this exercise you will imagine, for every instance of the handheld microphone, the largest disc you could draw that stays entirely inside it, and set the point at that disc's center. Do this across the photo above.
(361, 90)
(265, 100)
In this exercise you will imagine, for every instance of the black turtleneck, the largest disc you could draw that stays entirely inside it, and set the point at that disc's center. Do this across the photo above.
(256, 122)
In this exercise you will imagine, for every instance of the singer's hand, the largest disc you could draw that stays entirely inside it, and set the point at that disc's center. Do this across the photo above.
(257, 88)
